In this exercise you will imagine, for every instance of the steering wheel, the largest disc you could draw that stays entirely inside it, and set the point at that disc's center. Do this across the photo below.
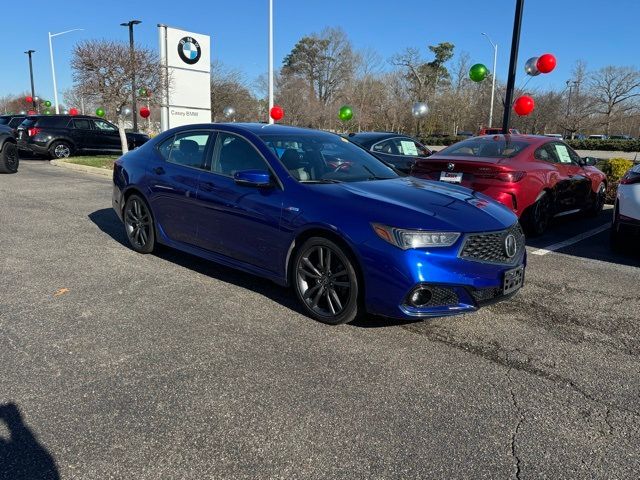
(342, 166)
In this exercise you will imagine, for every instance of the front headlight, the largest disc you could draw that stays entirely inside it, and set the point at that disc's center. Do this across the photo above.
(406, 239)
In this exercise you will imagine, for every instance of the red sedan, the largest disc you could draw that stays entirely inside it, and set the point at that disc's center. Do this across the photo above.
(536, 177)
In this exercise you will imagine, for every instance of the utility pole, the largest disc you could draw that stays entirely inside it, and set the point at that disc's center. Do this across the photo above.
(270, 60)
(513, 63)
(132, 54)
(33, 90)
(493, 74)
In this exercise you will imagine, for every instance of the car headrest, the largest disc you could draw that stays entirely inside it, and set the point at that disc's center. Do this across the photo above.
(291, 159)
(189, 147)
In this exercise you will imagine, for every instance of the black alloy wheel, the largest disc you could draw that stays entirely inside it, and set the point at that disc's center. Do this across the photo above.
(138, 224)
(539, 215)
(598, 201)
(326, 282)
(9, 158)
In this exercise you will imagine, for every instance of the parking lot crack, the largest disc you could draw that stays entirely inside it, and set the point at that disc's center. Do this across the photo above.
(514, 434)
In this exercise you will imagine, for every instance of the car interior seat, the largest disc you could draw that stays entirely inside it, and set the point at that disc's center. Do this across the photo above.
(189, 153)
(291, 160)
(238, 155)
(490, 150)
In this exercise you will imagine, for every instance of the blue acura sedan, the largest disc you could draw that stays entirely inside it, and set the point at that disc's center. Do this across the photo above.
(312, 210)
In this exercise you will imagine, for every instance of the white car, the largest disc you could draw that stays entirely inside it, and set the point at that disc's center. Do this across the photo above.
(626, 215)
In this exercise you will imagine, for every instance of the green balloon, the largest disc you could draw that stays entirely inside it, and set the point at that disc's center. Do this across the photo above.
(345, 114)
(47, 103)
(100, 112)
(478, 72)
(47, 112)
(142, 92)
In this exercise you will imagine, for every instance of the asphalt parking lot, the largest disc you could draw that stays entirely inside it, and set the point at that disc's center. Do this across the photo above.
(167, 366)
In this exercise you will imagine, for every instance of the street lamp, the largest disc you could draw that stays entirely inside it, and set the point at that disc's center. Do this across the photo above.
(493, 73)
(270, 74)
(130, 24)
(513, 61)
(53, 69)
(33, 90)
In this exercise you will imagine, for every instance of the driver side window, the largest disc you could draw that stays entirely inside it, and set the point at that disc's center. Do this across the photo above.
(234, 154)
(104, 126)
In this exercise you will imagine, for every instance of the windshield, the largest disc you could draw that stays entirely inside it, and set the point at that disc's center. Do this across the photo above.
(317, 157)
(4, 120)
(483, 147)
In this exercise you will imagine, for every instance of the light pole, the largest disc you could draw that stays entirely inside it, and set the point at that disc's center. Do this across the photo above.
(132, 54)
(570, 85)
(513, 61)
(53, 69)
(493, 74)
(270, 60)
(33, 90)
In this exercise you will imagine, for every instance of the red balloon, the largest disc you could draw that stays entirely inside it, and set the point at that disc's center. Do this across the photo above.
(145, 112)
(73, 111)
(29, 99)
(524, 105)
(31, 112)
(546, 63)
(276, 112)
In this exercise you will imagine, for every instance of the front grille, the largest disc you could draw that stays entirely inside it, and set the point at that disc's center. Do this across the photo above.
(490, 247)
(486, 294)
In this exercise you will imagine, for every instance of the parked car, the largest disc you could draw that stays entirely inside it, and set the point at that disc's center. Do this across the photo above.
(598, 137)
(536, 177)
(554, 135)
(60, 136)
(464, 133)
(12, 121)
(626, 213)
(9, 159)
(620, 137)
(398, 150)
(496, 131)
(266, 199)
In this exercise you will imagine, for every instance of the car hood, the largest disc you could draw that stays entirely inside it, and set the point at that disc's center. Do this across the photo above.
(410, 202)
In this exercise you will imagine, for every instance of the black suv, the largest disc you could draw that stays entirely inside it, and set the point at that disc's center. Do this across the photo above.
(60, 136)
(12, 121)
(399, 150)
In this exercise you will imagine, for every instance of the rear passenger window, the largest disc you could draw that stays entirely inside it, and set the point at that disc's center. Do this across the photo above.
(16, 121)
(188, 149)
(52, 122)
(82, 124)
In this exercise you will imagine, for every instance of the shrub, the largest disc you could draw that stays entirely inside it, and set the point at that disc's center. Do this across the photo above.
(606, 145)
(445, 141)
(614, 169)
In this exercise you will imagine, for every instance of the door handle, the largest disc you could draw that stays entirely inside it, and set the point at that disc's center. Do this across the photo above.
(159, 171)
(207, 186)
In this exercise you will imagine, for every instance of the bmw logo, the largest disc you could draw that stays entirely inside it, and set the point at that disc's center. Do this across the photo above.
(451, 166)
(510, 246)
(189, 50)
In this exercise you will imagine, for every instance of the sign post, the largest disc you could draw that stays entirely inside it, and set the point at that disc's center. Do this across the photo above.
(186, 83)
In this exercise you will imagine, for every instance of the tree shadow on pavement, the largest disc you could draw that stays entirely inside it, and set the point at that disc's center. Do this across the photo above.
(22, 457)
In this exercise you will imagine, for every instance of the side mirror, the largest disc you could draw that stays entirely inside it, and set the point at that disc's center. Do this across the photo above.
(253, 178)
(590, 161)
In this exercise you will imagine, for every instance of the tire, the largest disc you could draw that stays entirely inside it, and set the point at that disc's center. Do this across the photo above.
(9, 158)
(538, 216)
(326, 283)
(598, 201)
(60, 149)
(139, 225)
(616, 234)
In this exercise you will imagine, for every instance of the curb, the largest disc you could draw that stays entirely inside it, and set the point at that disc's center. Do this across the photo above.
(83, 168)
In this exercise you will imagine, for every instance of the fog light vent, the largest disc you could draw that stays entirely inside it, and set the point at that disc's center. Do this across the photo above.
(420, 297)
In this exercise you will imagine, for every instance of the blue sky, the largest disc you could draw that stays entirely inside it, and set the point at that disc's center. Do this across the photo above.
(601, 33)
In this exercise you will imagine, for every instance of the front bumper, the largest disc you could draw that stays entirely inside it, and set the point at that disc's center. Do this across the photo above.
(391, 275)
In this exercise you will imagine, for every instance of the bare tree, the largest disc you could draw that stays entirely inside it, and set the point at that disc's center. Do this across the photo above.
(229, 89)
(104, 68)
(612, 88)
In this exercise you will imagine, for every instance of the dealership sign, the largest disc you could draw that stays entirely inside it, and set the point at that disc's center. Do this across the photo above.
(186, 57)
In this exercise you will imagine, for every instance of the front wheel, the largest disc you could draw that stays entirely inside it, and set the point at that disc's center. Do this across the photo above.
(325, 282)
(138, 224)
(9, 159)
(598, 201)
(539, 215)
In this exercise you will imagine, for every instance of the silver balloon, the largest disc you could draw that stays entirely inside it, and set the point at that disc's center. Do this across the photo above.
(531, 68)
(36, 99)
(65, 112)
(229, 112)
(126, 111)
(22, 112)
(419, 109)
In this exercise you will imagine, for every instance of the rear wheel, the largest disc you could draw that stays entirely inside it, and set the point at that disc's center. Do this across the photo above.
(138, 224)
(60, 149)
(598, 201)
(9, 159)
(325, 282)
(539, 215)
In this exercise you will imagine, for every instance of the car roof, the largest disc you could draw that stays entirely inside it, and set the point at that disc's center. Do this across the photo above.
(530, 139)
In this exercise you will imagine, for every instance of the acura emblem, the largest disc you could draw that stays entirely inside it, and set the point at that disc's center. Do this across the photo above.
(451, 166)
(510, 246)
